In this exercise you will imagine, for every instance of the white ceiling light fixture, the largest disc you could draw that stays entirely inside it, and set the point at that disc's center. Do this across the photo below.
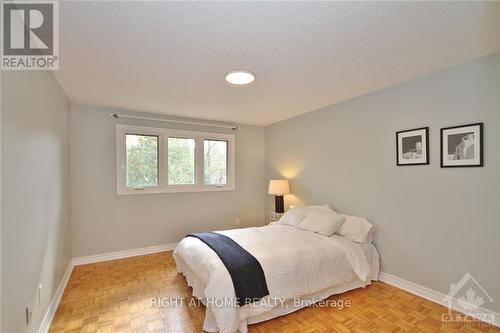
(240, 77)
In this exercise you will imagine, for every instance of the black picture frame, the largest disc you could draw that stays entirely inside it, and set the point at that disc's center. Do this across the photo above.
(425, 135)
(480, 159)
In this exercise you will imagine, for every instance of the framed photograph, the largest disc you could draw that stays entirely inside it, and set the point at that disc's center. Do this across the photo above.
(462, 146)
(412, 146)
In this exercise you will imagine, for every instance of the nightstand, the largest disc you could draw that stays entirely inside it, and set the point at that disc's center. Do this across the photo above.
(273, 216)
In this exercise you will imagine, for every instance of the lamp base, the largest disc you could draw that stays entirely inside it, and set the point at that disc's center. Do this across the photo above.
(279, 204)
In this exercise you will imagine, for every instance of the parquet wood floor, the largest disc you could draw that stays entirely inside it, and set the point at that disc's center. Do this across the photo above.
(115, 296)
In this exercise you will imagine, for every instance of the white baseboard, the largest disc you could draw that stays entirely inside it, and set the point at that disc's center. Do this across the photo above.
(54, 303)
(122, 254)
(429, 294)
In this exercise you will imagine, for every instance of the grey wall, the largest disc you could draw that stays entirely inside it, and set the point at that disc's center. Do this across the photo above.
(35, 194)
(432, 224)
(104, 222)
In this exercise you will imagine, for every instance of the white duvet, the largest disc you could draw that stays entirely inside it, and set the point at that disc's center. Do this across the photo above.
(296, 263)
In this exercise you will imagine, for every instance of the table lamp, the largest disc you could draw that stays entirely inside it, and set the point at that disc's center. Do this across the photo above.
(278, 188)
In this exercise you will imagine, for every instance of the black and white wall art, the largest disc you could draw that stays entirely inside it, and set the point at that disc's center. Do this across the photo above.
(412, 146)
(462, 146)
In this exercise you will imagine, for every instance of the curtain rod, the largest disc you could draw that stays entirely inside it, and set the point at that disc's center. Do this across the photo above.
(117, 115)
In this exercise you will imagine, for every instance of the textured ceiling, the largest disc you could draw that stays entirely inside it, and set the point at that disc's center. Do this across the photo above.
(171, 57)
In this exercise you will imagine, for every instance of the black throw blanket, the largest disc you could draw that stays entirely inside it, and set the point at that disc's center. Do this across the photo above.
(246, 272)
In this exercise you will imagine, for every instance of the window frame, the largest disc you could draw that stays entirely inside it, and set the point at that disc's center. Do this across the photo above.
(164, 134)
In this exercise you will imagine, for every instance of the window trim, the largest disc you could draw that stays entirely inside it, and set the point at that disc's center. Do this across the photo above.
(163, 134)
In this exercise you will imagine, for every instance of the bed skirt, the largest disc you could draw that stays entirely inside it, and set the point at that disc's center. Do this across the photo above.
(251, 314)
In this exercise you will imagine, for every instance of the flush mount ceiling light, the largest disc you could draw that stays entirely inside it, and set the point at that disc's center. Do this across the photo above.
(240, 77)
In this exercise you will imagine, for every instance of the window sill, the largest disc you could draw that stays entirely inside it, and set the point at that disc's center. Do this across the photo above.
(130, 191)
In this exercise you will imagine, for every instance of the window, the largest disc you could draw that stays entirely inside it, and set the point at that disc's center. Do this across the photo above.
(215, 162)
(142, 160)
(181, 161)
(161, 160)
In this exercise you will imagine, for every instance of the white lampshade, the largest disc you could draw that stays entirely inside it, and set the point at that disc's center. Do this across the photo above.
(279, 187)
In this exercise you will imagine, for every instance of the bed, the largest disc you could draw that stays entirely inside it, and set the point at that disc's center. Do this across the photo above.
(300, 267)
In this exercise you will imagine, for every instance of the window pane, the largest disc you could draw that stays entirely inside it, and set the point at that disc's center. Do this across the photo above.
(142, 160)
(215, 164)
(181, 161)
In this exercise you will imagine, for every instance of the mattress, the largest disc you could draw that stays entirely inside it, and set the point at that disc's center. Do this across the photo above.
(301, 267)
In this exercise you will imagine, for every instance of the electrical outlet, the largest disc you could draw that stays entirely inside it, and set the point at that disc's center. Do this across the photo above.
(237, 221)
(29, 313)
(40, 287)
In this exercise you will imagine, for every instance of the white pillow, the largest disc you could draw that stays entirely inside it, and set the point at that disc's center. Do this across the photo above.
(322, 222)
(325, 207)
(356, 229)
(294, 216)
